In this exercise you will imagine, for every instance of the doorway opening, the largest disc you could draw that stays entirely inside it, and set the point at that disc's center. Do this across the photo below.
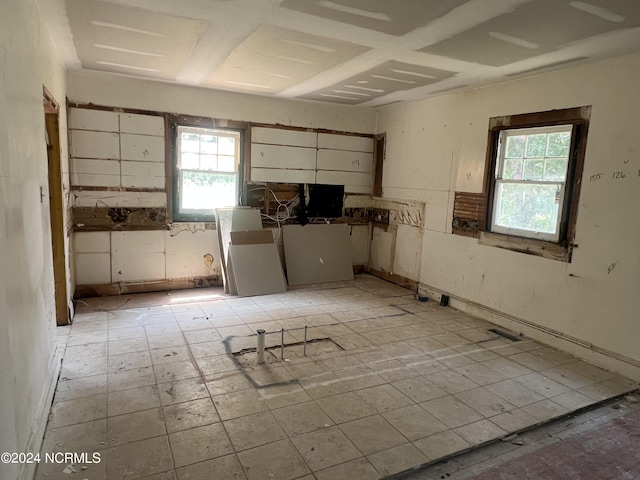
(56, 205)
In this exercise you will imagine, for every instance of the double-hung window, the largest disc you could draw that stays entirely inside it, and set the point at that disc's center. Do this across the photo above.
(532, 185)
(530, 181)
(206, 170)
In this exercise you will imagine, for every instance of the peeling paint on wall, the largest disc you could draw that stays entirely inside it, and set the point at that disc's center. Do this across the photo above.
(386, 211)
(177, 228)
(406, 215)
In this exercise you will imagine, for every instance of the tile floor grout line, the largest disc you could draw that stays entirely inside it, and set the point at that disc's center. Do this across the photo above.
(291, 437)
(366, 321)
(160, 407)
(204, 382)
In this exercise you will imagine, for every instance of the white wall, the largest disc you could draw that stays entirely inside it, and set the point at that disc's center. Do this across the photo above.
(111, 149)
(27, 320)
(146, 256)
(294, 156)
(120, 91)
(121, 150)
(438, 146)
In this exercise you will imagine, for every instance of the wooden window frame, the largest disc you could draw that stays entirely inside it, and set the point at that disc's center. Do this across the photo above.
(380, 145)
(557, 250)
(172, 122)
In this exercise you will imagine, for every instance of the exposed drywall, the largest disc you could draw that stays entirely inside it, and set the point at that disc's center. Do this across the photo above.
(184, 251)
(438, 146)
(397, 229)
(115, 150)
(27, 320)
(294, 156)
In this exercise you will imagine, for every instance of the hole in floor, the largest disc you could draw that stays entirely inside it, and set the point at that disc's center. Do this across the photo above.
(272, 372)
(248, 357)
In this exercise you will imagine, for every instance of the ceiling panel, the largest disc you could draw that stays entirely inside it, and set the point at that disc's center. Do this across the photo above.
(536, 28)
(396, 17)
(131, 40)
(360, 52)
(389, 77)
(272, 59)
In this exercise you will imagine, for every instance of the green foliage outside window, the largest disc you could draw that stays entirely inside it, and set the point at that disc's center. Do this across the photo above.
(530, 183)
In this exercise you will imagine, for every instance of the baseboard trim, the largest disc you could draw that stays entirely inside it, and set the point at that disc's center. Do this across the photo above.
(393, 278)
(28, 470)
(590, 352)
(120, 288)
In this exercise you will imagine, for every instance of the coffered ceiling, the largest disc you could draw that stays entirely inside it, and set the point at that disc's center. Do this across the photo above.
(359, 52)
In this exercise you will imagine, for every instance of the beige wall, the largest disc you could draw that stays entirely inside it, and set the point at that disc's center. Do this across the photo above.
(438, 146)
(27, 323)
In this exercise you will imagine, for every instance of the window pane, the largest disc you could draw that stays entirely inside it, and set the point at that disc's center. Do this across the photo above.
(556, 170)
(209, 144)
(205, 179)
(190, 142)
(512, 170)
(559, 144)
(227, 146)
(226, 164)
(207, 191)
(190, 160)
(515, 147)
(208, 162)
(536, 145)
(530, 207)
(533, 169)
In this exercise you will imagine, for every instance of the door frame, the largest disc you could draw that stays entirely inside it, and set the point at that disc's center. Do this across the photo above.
(56, 206)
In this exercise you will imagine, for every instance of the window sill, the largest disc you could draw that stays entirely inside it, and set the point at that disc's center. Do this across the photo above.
(530, 246)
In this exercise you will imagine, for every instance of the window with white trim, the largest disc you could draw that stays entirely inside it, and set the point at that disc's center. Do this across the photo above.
(530, 181)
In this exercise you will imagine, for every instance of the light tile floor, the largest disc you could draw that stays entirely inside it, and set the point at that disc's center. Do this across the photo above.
(151, 383)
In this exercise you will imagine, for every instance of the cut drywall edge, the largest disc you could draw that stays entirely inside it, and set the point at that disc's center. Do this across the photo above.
(233, 219)
(317, 253)
(256, 269)
(251, 237)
